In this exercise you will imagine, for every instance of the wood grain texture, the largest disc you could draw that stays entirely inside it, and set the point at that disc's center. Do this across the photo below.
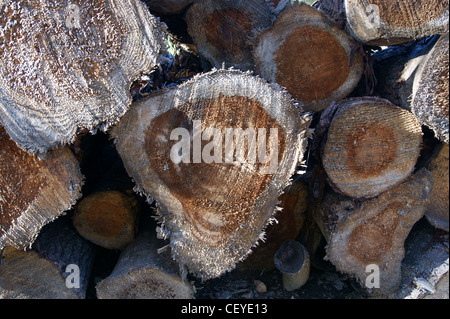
(389, 22)
(213, 212)
(437, 211)
(373, 232)
(310, 56)
(371, 145)
(430, 90)
(144, 272)
(224, 30)
(33, 191)
(67, 66)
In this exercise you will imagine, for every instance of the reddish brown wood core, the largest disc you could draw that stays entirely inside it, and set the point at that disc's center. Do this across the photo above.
(107, 214)
(311, 64)
(411, 13)
(216, 197)
(20, 180)
(371, 240)
(229, 31)
(371, 148)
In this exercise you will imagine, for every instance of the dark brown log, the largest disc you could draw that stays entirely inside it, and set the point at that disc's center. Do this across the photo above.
(224, 30)
(390, 22)
(58, 266)
(430, 91)
(68, 66)
(214, 198)
(395, 68)
(310, 56)
(143, 271)
(437, 211)
(373, 232)
(34, 191)
(370, 146)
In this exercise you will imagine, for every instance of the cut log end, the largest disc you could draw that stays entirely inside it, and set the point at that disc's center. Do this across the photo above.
(373, 232)
(214, 197)
(291, 53)
(33, 191)
(25, 275)
(224, 31)
(68, 66)
(144, 283)
(382, 22)
(430, 102)
(144, 272)
(371, 145)
(438, 206)
(107, 218)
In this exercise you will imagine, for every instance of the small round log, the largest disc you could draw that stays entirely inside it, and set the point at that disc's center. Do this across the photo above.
(292, 259)
(310, 56)
(371, 145)
(145, 272)
(107, 218)
(224, 30)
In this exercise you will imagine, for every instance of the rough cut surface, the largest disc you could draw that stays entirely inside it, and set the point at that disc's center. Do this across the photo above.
(213, 212)
(373, 232)
(67, 66)
(224, 30)
(389, 22)
(430, 102)
(438, 207)
(33, 191)
(371, 145)
(310, 56)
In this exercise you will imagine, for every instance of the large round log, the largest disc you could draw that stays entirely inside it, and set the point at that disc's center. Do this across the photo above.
(67, 66)
(34, 191)
(310, 56)
(370, 146)
(389, 22)
(214, 196)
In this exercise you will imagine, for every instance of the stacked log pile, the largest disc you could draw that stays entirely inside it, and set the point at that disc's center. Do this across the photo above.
(190, 138)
